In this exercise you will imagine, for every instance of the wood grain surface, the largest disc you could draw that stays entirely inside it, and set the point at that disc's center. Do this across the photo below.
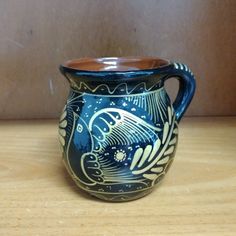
(36, 36)
(197, 197)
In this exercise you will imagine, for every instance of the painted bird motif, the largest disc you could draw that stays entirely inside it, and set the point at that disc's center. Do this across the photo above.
(114, 145)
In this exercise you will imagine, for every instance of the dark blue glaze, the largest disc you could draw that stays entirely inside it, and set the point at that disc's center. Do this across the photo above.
(119, 131)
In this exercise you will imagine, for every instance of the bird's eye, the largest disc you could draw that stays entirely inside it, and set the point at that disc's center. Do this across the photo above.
(79, 128)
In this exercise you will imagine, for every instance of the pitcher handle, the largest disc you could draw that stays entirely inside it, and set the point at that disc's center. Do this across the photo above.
(187, 86)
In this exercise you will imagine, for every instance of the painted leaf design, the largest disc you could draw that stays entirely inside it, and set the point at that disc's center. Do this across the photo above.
(173, 141)
(144, 156)
(165, 132)
(163, 160)
(157, 169)
(136, 158)
(169, 150)
(169, 114)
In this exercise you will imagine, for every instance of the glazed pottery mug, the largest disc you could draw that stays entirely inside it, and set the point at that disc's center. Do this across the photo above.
(119, 129)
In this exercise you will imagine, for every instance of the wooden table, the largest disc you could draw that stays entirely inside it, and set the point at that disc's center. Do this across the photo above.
(197, 197)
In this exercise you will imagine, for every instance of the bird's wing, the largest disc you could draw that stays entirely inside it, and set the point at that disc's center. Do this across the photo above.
(112, 126)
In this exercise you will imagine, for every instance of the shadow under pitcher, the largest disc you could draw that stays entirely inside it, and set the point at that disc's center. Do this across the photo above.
(119, 129)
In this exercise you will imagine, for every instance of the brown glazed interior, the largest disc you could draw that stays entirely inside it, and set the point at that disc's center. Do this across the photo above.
(116, 63)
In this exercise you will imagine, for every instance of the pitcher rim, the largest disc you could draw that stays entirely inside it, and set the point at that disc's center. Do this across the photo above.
(143, 64)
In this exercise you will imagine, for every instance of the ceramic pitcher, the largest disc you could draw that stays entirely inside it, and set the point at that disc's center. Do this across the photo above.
(119, 129)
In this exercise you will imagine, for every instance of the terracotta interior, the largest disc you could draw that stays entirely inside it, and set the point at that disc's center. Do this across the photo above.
(116, 64)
